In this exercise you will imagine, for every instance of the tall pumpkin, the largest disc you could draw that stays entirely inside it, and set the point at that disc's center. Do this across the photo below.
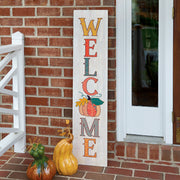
(66, 163)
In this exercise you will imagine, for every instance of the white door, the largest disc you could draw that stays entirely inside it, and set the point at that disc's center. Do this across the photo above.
(144, 67)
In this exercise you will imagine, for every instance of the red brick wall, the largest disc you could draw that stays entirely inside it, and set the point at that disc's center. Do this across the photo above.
(48, 29)
(152, 161)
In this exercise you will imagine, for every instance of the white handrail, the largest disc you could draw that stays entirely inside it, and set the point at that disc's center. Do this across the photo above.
(10, 47)
(8, 130)
(17, 135)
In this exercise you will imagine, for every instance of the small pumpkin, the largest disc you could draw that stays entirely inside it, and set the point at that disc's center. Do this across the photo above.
(89, 106)
(66, 163)
(41, 168)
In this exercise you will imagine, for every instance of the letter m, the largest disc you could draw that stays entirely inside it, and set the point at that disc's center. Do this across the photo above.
(90, 27)
(95, 127)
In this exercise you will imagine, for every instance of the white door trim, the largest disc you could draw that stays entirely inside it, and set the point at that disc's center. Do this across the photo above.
(121, 55)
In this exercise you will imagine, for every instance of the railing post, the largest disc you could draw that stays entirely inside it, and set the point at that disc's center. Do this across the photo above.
(18, 86)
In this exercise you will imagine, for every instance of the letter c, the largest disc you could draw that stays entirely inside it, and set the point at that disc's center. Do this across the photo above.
(84, 86)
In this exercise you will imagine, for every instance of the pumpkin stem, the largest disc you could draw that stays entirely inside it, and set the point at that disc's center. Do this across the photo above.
(70, 139)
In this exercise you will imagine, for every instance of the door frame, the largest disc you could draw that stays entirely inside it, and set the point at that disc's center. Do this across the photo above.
(121, 56)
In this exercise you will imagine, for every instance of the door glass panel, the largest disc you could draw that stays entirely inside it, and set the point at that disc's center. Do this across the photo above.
(145, 22)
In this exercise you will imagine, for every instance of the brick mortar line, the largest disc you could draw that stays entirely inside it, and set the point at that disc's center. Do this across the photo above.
(59, 57)
(172, 154)
(48, 3)
(112, 100)
(48, 67)
(70, 88)
(160, 153)
(103, 171)
(133, 172)
(60, 47)
(111, 120)
(57, 67)
(43, 16)
(7, 162)
(51, 57)
(35, 29)
(54, 97)
(163, 176)
(111, 80)
(42, 26)
(144, 170)
(8, 177)
(49, 62)
(61, 50)
(48, 106)
(35, 11)
(23, 21)
(51, 36)
(55, 136)
(111, 141)
(48, 21)
(57, 118)
(102, 2)
(12, 156)
(148, 151)
(11, 13)
(85, 173)
(149, 164)
(53, 6)
(49, 136)
(136, 151)
(45, 26)
(53, 77)
(160, 172)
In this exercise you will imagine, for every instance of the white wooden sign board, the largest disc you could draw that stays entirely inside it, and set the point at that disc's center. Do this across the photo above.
(90, 68)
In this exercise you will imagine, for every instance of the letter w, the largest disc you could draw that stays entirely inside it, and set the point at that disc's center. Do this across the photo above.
(90, 27)
(95, 127)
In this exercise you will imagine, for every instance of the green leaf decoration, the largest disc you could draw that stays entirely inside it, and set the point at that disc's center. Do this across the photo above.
(97, 101)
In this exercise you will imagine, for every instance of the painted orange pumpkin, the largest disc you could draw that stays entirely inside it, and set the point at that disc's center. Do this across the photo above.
(41, 168)
(89, 107)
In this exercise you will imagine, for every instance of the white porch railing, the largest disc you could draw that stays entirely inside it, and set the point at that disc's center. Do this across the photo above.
(16, 135)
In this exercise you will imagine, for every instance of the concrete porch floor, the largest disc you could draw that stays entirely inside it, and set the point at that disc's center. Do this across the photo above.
(13, 166)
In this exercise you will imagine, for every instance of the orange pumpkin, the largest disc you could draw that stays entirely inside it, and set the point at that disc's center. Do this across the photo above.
(41, 168)
(39, 172)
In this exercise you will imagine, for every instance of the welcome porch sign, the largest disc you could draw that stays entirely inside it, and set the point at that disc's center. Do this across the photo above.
(90, 67)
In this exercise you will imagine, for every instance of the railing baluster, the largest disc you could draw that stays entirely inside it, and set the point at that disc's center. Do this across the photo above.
(7, 59)
(7, 78)
(17, 136)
